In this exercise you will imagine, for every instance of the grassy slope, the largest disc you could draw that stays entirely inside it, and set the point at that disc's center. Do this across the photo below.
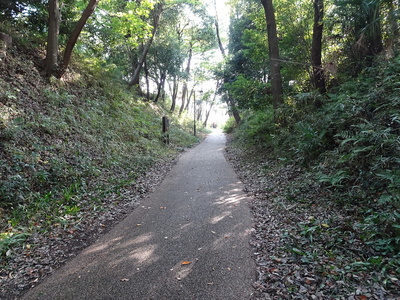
(66, 144)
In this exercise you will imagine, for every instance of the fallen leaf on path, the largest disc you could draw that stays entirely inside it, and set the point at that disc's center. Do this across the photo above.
(184, 263)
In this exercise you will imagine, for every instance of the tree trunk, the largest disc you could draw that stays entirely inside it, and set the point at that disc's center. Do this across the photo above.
(51, 61)
(221, 47)
(75, 34)
(156, 20)
(160, 86)
(199, 113)
(146, 71)
(184, 88)
(276, 79)
(174, 94)
(233, 110)
(316, 49)
(188, 99)
(212, 104)
(208, 113)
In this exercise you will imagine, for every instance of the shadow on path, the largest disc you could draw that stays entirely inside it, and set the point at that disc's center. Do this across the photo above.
(197, 215)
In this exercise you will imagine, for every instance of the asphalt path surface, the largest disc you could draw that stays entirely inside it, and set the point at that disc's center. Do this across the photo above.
(188, 240)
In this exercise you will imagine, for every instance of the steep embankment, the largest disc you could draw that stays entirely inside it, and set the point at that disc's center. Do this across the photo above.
(75, 156)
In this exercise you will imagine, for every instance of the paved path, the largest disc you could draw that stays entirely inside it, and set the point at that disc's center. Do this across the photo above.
(198, 214)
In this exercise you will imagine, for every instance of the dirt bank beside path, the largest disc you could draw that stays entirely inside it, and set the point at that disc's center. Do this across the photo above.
(188, 240)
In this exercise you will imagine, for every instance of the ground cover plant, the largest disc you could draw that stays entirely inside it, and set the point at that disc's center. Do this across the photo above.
(325, 188)
(73, 156)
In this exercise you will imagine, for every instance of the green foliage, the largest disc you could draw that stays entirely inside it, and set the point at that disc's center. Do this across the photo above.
(258, 128)
(230, 125)
(66, 145)
(382, 231)
(350, 145)
(248, 93)
(8, 240)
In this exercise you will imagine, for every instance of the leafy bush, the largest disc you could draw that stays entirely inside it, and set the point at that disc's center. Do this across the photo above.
(257, 128)
(230, 125)
(351, 145)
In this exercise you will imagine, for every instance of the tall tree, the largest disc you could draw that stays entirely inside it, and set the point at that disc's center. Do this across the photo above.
(53, 35)
(75, 34)
(185, 87)
(316, 48)
(51, 61)
(273, 46)
(156, 15)
(221, 47)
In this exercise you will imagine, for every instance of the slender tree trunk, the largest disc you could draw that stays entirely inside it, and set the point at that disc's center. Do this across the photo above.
(75, 34)
(316, 48)
(208, 113)
(230, 102)
(156, 20)
(146, 71)
(174, 94)
(212, 104)
(185, 88)
(199, 112)
(139, 65)
(160, 86)
(276, 79)
(184, 94)
(51, 61)
(221, 47)
(189, 98)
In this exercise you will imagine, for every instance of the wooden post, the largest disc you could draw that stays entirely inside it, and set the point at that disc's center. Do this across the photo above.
(165, 129)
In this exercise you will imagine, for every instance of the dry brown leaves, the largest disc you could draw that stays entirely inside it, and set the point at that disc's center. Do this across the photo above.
(28, 265)
(304, 246)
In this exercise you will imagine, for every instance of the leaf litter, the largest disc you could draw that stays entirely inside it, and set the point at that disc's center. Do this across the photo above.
(43, 252)
(306, 246)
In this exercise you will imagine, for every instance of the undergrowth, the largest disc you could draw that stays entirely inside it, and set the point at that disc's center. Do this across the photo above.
(350, 147)
(65, 144)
